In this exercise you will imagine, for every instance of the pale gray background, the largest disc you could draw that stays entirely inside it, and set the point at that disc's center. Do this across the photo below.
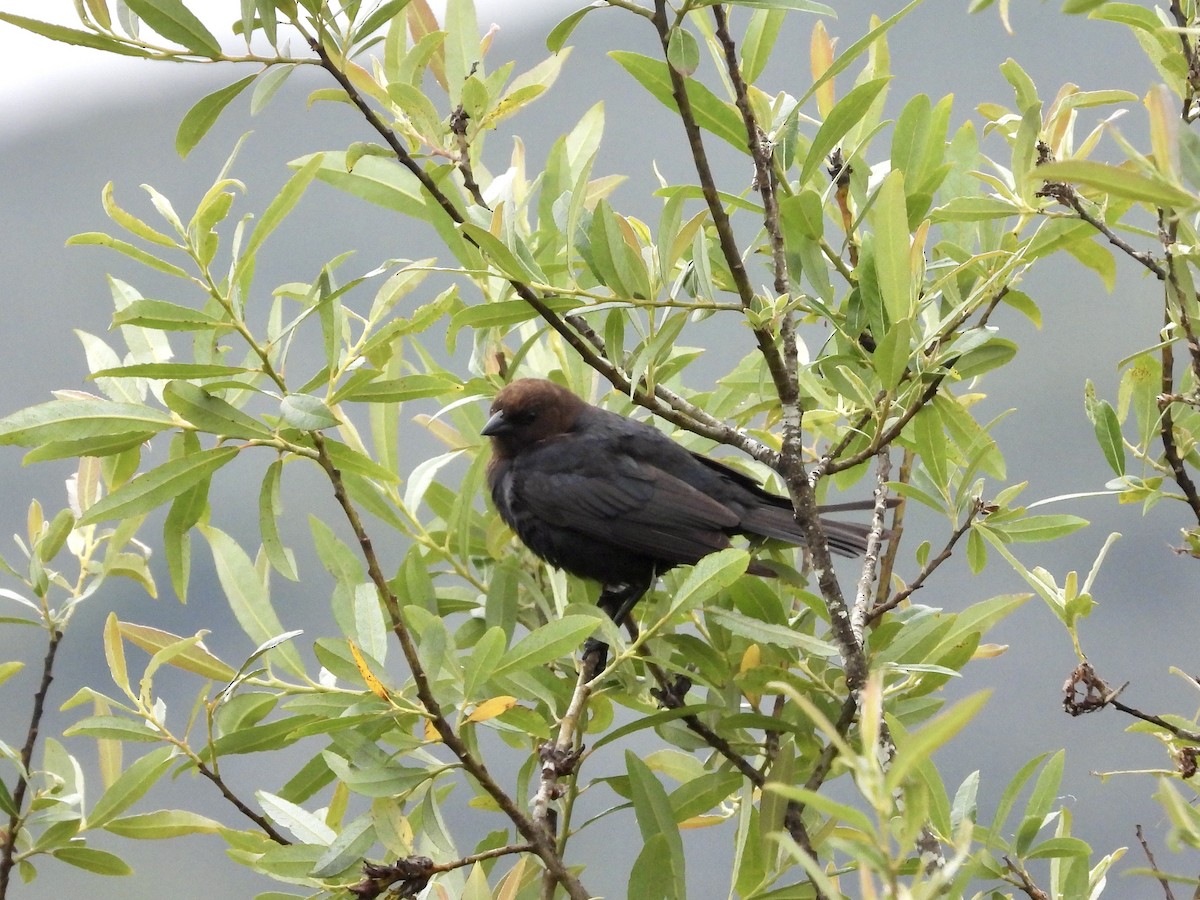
(69, 129)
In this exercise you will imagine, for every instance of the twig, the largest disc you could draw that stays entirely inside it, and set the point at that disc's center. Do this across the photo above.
(261, 821)
(830, 463)
(929, 567)
(1096, 695)
(1166, 885)
(1067, 195)
(1022, 880)
(1167, 432)
(1167, 420)
(8, 854)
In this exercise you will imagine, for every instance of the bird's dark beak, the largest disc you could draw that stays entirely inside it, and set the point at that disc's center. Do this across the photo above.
(497, 424)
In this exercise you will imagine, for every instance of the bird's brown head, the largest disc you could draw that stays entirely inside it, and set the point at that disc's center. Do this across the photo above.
(528, 411)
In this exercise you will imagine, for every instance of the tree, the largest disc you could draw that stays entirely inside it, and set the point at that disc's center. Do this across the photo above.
(873, 263)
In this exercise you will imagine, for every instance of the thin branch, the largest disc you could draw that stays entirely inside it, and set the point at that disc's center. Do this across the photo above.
(261, 821)
(1020, 878)
(1067, 195)
(830, 463)
(1166, 885)
(543, 846)
(930, 567)
(1167, 431)
(1085, 691)
(708, 187)
(8, 853)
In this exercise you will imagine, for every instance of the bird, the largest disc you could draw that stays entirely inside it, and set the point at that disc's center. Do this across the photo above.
(614, 500)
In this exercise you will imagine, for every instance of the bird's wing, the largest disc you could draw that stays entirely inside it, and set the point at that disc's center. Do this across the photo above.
(631, 505)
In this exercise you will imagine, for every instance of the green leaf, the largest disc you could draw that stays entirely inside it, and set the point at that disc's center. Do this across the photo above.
(480, 664)
(131, 786)
(99, 861)
(844, 116)
(991, 354)
(712, 574)
(683, 53)
(113, 727)
(201, 117)
(278, 209)
(917, 747)
(211, 414)
(268, 85)
(248, 596)
(163, 823)
(176, 22)
(74, 36)
(156, 487)
(1059, 847)
(1036, 529)
(766, 633)
(305, 826)
(1108, 435)
(78, 419)
(808, 6)
(167, 317)
(711, 112)
(164, 371)
(558, 35)
(655, 818)
(760, 35)
(100, 239)
(614, 261)
(1151, 189)
(270, 506)
(505, 260)
(973, 209)
(306, 412)
(1041, 801)
(892, 353)
(406, 387)
(381, 181)
(892, 246)
(546, 644)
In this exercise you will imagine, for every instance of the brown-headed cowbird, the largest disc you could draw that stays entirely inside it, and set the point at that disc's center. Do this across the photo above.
(615, 500)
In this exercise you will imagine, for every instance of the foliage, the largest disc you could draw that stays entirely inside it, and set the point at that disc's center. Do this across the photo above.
(894, 251)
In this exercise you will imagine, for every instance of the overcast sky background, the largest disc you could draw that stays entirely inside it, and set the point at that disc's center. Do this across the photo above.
(75, 118)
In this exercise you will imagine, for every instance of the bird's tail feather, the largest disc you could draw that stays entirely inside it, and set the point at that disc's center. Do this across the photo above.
(845, 538)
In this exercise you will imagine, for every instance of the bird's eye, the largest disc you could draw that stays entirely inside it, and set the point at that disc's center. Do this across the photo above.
(524, 416)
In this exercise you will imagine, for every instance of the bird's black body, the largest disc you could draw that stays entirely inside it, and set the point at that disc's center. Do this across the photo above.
(615, 500)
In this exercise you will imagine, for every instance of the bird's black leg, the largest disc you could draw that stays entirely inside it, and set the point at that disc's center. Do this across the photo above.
(618, 602)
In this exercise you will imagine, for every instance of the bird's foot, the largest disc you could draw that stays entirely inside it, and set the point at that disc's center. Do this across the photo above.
(672, 694)
(594, 657)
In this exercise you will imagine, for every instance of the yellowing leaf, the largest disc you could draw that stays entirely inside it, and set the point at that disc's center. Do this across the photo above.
(989, 651)
(431, 732)
(375, 685)
(701, 822)
(820, 57)
(491, 708)
(751, 658)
